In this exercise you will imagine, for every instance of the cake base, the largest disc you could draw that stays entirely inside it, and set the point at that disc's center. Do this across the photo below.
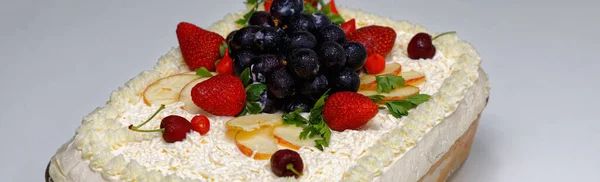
(443, 169)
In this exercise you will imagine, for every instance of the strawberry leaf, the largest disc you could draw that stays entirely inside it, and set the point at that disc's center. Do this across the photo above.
(203, 72)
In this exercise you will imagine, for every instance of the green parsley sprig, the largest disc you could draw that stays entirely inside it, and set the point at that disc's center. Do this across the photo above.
(400, 108)
(254, 3)
(253, 93)
(203, 72)
(387, 82)
(314, 126)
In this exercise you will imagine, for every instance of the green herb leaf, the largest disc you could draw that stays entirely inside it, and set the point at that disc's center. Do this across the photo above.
(377, 98)
(203, 72)
(245, 77)
(385, 83)
(254, 91)
(246, 17)
(253, 107)
(418, 99)
(244, 112)
(251, 2)
(295, 118)
(325, 9)
(399, 109)
(222, 49)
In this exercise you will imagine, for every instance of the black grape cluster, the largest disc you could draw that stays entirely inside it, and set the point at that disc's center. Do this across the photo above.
(299, 56)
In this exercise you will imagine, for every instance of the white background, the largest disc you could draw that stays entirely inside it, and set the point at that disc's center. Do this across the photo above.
(60, 60)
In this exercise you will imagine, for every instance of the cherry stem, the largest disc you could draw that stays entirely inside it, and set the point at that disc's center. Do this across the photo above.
(134, 128)
(442, 34)
(149, 131)
(290, 167)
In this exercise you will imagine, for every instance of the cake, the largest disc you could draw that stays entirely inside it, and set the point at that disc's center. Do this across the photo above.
(378, 129)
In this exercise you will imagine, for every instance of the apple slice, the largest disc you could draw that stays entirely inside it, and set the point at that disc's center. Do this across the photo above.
(400, 93)
(185, 96)
(368, 81)
(254, 121)
(412, 77)
(258, 144)
(166, 90)
(288, 136)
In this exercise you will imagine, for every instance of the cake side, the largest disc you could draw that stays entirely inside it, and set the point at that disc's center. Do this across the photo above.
(109, 166)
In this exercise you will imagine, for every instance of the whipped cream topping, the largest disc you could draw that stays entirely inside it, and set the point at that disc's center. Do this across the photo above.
(105, 146)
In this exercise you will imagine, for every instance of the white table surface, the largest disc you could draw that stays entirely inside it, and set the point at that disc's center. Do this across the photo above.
(62, 59)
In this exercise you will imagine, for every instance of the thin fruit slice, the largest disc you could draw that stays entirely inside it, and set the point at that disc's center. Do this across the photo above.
(253, 122)
(368, 81)
(258, 144)
(412, 77)
(166, 90)
(287, 136)
(396, 94)
(185, 96)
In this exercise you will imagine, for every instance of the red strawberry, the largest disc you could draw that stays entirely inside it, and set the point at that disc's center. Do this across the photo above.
(175, 128)
(200, 48)
(268, 5)
(222, 95)
(377, 39)
(349, 26)
(201, 124)
(375, 64)
(333, 8)
(348, 110)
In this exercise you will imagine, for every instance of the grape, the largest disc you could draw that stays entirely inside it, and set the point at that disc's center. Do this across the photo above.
(241, 61)
(261, 18)
(320, 20)
(332, 55)
(281, 83)
(270, 39)
(282, 9)
(346, 80)
(304, 63)
(300, 22)
(244, 39)
(313, 89)
(301, 39)
(356, 55)
(263, 66)
(332, 32)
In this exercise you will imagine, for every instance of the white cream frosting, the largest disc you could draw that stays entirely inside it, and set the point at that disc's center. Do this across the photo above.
(103, 149)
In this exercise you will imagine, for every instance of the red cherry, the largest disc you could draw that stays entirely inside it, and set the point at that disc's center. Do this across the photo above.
(201, 124)
(175, 128)
(375, 64)
(286, 162)
(421, 47)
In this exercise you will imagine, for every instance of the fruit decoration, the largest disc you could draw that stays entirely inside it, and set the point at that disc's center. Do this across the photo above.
(287, 163)
(421, 45)
(199, 47)
(296, 48)
(200, 124)
(377, 39)
(221, 95)
(375, 64)
(348, 110)
(173, 128)
(225, 65)
(349, 26)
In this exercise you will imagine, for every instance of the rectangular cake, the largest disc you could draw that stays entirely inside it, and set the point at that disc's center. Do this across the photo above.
(421, 128)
